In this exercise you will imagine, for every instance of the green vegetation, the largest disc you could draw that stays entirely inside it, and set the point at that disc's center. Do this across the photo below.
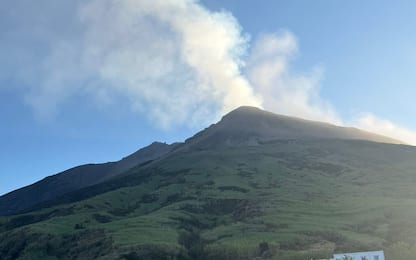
(402, 251)
(278, 200)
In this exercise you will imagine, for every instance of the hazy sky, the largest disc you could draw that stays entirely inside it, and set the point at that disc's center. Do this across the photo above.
(94, 80)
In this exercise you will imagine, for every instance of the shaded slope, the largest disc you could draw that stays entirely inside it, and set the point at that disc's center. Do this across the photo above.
(76, 178)
(241, 127)
(254, 185)
(251, 126)
(284, 199)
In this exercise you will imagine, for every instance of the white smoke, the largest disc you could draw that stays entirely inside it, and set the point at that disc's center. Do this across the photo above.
(381, 126)
(175, 61)
(284, 91)
(172, 60)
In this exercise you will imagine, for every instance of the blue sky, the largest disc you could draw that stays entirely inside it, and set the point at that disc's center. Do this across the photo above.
(366, 47)
(92, 81)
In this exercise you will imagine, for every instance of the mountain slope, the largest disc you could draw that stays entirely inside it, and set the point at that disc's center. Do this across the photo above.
(221, 195)
(243, 126)
(76, 178)
(250, 126)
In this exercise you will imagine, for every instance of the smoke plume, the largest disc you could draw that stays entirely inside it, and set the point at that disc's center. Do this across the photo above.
(174, 61)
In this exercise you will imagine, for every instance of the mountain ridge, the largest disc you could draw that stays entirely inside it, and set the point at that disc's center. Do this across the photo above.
(243, 126)
(76, 178)
(266, 126)
(236, 190)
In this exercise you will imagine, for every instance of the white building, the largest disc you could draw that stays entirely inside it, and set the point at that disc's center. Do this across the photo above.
(374, 255)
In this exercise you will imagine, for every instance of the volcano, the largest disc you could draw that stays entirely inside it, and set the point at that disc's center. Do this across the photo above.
(253, 185)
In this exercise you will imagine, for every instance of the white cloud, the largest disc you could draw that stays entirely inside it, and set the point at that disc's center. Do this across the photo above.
(298, 94)
(283, 90)
(381, 126)
(175, 61)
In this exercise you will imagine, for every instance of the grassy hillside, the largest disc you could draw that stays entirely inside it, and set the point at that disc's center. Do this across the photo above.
(76, 178)
(282, 199)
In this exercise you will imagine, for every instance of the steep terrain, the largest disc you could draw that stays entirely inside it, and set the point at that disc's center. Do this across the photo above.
(251, 126)
(75, 179)
(253, 185)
